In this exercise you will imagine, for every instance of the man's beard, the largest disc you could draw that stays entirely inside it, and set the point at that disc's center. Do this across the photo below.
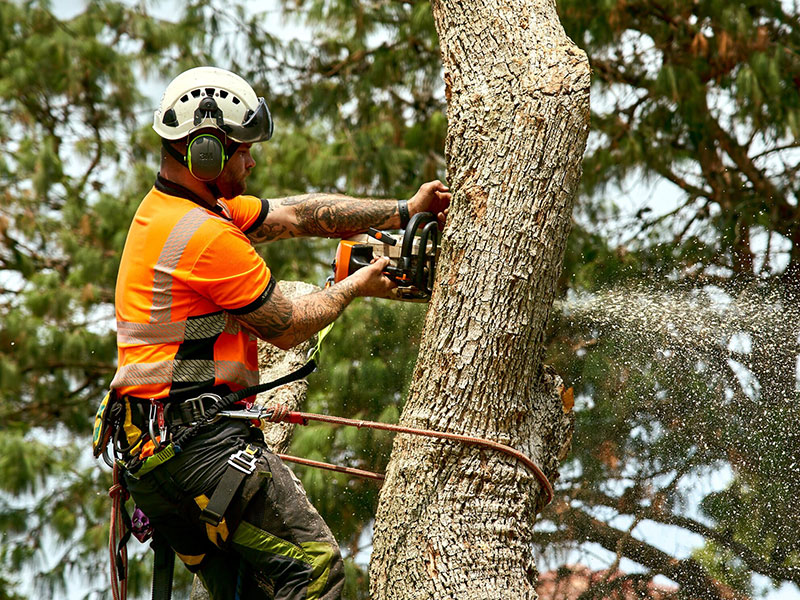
(230, 189)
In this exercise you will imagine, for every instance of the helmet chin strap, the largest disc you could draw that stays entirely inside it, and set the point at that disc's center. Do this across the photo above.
(173, 152)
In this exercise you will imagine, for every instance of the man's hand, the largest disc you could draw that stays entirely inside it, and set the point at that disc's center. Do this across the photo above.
(434, 197)
(370, 281)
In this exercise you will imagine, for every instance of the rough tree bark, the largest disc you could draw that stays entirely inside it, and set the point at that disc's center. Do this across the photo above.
(455, 521)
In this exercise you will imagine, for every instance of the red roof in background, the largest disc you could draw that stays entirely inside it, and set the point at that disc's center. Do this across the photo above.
(568, 583)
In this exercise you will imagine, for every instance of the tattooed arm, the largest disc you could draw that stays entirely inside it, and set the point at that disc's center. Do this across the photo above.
(335, 215)
(286, 323)
(325, 215)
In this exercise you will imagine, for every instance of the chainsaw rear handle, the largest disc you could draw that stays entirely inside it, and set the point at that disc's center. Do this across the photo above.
(412, 270)
(350, 257)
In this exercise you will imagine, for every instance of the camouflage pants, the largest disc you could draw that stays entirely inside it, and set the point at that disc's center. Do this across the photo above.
(272, 543)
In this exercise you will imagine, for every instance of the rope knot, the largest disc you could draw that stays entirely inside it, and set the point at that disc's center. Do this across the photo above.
(118, 491)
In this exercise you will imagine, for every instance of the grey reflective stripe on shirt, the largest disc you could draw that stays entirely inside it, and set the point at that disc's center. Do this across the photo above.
(232, 326)
(208, 326)
(193, 370)
(143, 374)
(235, 372)
(195, 328)
(184, 371)
(168, 260)
(150, 333)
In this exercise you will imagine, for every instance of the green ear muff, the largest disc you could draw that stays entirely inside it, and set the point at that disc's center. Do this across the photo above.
(205, 157)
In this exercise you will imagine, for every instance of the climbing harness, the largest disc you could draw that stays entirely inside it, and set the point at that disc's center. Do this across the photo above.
(204, 410)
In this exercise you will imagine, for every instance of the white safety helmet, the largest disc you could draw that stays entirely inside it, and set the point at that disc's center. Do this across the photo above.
(208, 97)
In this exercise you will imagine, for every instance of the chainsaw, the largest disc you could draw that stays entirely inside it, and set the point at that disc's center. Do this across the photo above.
(412, 256)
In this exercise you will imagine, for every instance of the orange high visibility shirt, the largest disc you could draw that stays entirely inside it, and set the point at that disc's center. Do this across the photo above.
(185, 271)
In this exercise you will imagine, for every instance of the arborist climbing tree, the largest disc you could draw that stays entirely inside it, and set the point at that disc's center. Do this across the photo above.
(455, 521)
(192, 297)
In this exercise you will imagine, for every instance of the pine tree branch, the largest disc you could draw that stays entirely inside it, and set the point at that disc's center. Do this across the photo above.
(774, 150)
(655, 513)
(688, 573)
(354, 58)
(98, 368)
(692, 190)
(739, 155)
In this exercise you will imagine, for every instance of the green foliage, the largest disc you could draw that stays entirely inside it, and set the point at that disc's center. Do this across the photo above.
(704, 95)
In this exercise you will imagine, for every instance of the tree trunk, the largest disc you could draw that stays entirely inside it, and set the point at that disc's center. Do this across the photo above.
(454, 521)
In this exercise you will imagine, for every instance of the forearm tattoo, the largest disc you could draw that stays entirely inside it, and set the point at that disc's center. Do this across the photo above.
(290, 323)
(330, 215)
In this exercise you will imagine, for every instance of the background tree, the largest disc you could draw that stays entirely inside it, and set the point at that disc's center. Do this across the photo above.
(693, 372)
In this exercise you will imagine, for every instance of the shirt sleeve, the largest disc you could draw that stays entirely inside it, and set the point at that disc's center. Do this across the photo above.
(248, 212)
(231, 274)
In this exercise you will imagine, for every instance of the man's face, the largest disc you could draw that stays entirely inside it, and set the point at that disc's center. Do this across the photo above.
(232, 181)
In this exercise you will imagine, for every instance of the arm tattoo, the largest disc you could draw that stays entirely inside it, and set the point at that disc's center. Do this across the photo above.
(268, 231)
(331, 215)
(271, 319)
(287, 323)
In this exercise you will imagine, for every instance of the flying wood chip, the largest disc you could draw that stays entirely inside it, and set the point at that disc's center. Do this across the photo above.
(567, 399)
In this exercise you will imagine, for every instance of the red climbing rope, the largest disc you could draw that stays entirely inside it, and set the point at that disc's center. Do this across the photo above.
(118, 537)
(301, 418)
(339, 469)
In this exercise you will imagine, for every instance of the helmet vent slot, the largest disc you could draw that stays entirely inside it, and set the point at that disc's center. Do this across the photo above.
(210, 91)
(195, 93)
(223, 94)
(185, 98)
(235, 100)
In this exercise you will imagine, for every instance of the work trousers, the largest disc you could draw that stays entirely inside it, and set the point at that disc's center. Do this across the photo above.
(272, 543)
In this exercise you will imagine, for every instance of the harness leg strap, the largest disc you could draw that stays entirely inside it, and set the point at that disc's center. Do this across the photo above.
(163, 564)
(240, 465)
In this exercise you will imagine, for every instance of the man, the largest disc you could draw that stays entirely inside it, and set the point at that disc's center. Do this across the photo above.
(192, 297)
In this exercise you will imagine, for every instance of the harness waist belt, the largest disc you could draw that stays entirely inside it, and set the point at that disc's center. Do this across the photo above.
(186, 412)
(189, 411)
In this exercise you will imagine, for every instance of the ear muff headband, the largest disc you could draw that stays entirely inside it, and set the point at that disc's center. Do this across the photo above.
(205, 157)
